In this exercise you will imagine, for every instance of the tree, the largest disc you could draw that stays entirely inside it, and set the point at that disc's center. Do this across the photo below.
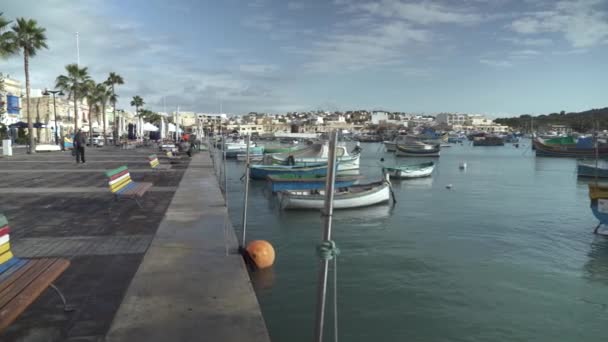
(104, 94)
(73, 83)
(4, 35)
(25, 37)
(113, 80)
(137, 102)
(93, 93)
(150, 116)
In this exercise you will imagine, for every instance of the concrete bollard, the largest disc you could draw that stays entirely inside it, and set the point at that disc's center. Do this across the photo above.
(7, 147)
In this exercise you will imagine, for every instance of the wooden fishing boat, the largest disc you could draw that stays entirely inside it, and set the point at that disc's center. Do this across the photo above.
(317, 153)
(355, 196)
(410, 171)
(303, 170)
(233, 153)
(598, 194)
(252, 157)
(488, 140)
(294, 182)
(281, 149)
(582, 148)
(418, 149)
(390, 146)
(588, 168)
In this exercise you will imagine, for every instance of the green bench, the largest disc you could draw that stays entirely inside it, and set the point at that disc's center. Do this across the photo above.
(22, 281)
(122, 187)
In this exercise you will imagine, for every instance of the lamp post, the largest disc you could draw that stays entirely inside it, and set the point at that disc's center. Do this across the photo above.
(60, 93)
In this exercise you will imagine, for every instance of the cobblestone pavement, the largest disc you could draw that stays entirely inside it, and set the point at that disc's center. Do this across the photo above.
(58, 208)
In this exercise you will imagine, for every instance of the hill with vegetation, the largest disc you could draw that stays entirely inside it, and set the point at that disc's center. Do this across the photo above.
(582, 122)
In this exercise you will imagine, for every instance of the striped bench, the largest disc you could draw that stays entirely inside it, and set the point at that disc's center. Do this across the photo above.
(22, 281)
(155, 164)
(121, 185)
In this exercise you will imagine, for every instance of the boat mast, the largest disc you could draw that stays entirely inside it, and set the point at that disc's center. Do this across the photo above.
(326, 237)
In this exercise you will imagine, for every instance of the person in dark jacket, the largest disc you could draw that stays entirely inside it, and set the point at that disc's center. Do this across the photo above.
(79, 144)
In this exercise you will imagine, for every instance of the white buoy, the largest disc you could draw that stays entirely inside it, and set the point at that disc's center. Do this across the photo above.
(463, 165)
(449, 186)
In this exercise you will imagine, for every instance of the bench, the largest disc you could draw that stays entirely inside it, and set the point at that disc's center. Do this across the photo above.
(22, 281)
(155, 163)
(121, 185)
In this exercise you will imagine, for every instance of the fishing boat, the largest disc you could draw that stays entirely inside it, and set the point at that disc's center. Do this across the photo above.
(355, 196)
(488, 140)
(303, 170)
(568, 147)
(294, 182)
(281, 149)
(390, 146)
(253, 150)
(318, 153)
(417, 149)
(252, 157)
(410, 171)
(591, 168)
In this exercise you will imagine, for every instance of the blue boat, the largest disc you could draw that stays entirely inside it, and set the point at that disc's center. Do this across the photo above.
(292, 182)
(588, 168)
(302, 170)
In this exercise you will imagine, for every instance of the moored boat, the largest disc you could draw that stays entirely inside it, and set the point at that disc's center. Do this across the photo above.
(253, 150)
(294, 182)
(390, 146)
(581, 148)
(303, 170)
(281, 149)
(318, 153)
(588, 168)
(410, 171)
(355, 196)
(418, 149)
(488, 140)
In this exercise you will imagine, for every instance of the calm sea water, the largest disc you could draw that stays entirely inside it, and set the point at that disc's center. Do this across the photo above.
(507, 254)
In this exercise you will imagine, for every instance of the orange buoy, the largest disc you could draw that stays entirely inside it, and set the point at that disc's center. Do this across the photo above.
(261, 252)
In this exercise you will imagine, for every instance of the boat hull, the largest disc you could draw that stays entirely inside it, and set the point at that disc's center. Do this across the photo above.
(589, 170)
(263, 171)
(417, 152)
(390, 146)
(277, 184)
(408, 173)
(567, 151)
(377, 195)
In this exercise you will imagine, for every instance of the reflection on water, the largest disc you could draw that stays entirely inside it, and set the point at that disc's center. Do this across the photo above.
(596, 268)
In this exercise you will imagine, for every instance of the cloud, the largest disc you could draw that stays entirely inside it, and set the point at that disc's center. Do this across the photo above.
(583, 23)
(294, 6)
(424, 13)
(261, 21)
(537, 42)
(496, 63)
(381, 44)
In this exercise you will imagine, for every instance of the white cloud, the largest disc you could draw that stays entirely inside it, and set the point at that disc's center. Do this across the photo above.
(583, 23)
(536, 42)
(496, 63)
(380, 44)
(258, 69)
(294, 6)
(425, 12)
(261, 21)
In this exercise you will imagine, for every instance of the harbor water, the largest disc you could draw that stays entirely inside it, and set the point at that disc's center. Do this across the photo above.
(506, 254)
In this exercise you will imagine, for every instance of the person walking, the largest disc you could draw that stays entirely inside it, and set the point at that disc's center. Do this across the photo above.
(79, 143)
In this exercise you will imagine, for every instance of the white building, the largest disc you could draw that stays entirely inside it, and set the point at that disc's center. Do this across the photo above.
(451, 119)
(378, 116)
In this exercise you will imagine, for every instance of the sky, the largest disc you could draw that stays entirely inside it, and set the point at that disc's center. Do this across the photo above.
(496, 57)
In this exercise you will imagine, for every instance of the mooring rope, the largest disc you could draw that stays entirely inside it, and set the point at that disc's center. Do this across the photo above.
(327, 251)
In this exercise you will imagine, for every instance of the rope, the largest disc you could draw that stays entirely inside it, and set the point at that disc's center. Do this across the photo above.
(336, 299)
(328, 250)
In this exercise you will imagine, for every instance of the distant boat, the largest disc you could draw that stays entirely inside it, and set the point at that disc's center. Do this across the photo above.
(234, 152)
(598, 194)
(488, 140)
(294, 182)
(317, 153)
(588, 168)
(252, 157)
(411, 171)
(568, 147)
(417, 149)
(390, 146)
(281, 149)
(302, 170)
(355, 196)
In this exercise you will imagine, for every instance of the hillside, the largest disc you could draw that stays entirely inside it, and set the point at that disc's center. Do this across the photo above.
(580, 122)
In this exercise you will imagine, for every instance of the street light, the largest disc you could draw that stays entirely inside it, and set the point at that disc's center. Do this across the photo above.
(60, 93)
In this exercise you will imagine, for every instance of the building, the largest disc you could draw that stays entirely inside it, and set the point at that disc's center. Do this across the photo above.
(10, 101)
(451, 119)
(379, 116)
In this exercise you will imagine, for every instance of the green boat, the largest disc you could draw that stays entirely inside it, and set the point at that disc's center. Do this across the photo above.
(280, 149)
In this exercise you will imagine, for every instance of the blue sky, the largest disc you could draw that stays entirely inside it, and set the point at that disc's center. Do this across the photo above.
(499, 57)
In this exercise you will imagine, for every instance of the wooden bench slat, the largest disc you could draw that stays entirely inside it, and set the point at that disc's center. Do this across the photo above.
(19, 280)
(4, 230)
(11, 267)
(111, 173)
(10, 312)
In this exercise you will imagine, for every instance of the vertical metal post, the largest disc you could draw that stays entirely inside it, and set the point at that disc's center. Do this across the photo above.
(55, 111)
(225, 178)
(327, 218)
(243, 239)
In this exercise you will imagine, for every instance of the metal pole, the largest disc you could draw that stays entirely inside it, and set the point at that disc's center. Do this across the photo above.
(225, 179)
(55, 110)
(327, 216)
(248, 139)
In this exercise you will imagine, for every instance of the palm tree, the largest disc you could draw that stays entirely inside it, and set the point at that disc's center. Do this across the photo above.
(114, 79)
(73, 85)
(104, 95)
(137, 102)
(92, 93)
(25, 37)
(3, 36)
